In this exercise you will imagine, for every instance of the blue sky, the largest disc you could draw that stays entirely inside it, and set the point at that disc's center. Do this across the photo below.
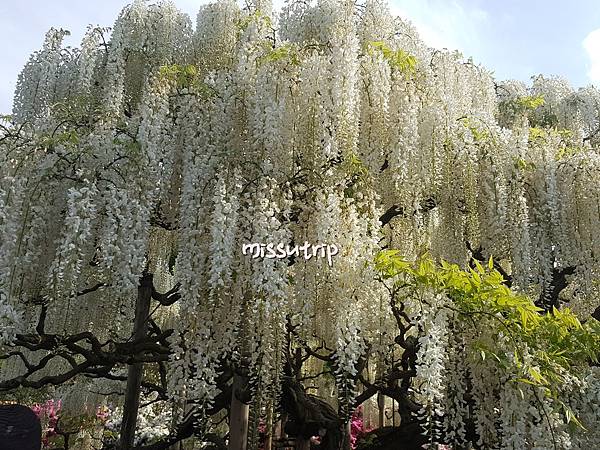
(515, 39)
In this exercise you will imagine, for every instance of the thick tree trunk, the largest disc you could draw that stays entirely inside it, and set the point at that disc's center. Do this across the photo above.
(238, 416)
(135, 371)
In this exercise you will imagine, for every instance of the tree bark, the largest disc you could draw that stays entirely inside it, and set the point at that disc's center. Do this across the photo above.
(238, 416)
(135, 371)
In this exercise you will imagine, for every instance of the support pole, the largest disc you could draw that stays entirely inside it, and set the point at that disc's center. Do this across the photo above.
(135, 371)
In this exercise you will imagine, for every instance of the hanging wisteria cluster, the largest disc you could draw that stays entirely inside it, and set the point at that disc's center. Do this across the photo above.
(164, 147)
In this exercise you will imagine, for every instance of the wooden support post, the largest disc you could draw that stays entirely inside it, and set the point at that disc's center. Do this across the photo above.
(238, 416)
(381, 406)
(135, 371)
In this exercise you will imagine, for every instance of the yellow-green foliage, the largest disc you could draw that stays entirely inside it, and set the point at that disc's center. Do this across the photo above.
(66, 138)
(557, 343)
(355, 165)
(185, 76)
(257, 16)
(530, 102)
(284, 52)
(524, 165)
(568, 150)
(569, 143)
(358, 173)
(398, 59)
(525, 106)
(478, 134)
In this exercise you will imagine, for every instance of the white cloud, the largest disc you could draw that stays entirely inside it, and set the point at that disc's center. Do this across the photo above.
(445, 24)
(591, 45)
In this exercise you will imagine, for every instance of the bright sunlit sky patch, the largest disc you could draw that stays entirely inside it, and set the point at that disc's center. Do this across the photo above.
(514, 38)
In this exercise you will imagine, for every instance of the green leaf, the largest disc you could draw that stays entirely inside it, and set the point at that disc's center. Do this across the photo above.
(571, 417)
(531, 102)
(399, 59)
(525, 380)
(537, 376)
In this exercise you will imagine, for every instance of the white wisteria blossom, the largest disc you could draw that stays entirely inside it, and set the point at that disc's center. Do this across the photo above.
(135, 169)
